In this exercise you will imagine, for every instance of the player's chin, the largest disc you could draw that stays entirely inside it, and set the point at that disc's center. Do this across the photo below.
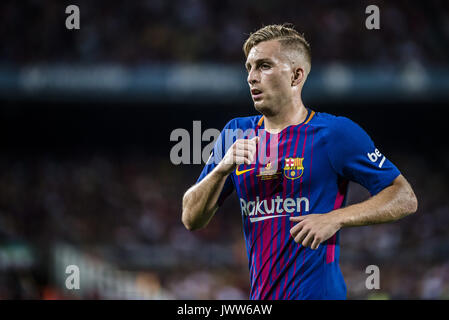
(262, 107)
(259, 103)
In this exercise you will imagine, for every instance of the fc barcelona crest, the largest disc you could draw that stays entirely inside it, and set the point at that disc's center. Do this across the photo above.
(293, 168)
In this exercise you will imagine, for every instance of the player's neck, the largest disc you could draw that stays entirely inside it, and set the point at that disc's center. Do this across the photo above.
(293, 115)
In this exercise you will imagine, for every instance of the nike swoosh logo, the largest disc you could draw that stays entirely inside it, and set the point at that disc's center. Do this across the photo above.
(237, 172)
(268, 217)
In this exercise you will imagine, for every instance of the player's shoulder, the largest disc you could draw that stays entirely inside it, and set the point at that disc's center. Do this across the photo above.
(334, 124)
(243, 123)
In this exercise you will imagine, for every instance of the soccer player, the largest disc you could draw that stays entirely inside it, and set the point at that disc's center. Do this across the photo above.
(290, 168)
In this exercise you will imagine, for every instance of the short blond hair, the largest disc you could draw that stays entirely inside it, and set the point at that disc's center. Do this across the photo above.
(286, 35)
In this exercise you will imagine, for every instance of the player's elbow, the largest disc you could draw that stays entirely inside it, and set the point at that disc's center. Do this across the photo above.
(187, 215)
(194, 215)
(191, 224)
(409, 200)
(190, 219)
(412, 203)
(188, 222)
(406, 196)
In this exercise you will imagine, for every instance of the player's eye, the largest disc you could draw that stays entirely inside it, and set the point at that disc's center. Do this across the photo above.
(265, 66)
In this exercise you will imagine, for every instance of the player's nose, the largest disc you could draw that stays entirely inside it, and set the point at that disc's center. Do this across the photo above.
(252, 78)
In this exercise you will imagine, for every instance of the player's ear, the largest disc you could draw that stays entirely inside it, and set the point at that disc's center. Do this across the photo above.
(297, 76)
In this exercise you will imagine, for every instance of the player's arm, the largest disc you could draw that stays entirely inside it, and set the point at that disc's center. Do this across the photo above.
(353, 156)
(200, 202)
(392, 203)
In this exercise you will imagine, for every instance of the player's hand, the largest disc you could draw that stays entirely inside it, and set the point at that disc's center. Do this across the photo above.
(243, 151)
(313, 229)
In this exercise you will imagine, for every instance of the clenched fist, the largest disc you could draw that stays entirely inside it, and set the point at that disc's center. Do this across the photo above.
(243, 151)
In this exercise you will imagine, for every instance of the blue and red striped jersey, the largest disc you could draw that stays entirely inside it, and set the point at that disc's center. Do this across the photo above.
(303, 169)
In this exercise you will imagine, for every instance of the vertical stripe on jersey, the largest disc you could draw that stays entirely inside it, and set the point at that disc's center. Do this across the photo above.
(283, 263)
(256, 254)
(271, 186)
(292, 245)
(330, 248)
(267, 232)
(246, 229)
(302, 248)
(250, 244)
(258, 280)
(285, 136)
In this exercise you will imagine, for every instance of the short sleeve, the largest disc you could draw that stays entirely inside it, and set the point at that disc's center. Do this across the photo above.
(354, 156)
(221, 145)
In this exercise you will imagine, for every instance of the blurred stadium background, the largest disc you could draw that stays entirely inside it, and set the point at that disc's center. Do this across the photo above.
(85, 123)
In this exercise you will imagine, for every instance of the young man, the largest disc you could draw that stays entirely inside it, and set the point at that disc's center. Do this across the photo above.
(290, 168)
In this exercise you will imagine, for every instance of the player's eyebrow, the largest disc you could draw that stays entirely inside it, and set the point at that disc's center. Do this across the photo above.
(257, 62)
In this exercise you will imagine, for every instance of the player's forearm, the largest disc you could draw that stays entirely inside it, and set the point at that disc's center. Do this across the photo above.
(391, 204)
(200, 201)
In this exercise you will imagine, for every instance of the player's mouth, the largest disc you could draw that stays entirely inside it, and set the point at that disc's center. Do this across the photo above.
(256, 94)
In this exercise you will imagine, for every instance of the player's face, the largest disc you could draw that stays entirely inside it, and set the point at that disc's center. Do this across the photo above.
(269, 77)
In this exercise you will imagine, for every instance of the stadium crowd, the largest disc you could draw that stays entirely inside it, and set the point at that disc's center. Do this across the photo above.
(157, 31)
